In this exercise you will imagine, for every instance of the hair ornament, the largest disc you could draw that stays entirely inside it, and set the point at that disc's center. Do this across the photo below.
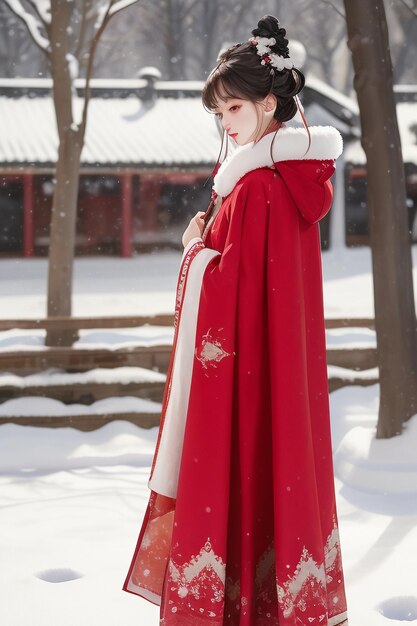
(263, 49)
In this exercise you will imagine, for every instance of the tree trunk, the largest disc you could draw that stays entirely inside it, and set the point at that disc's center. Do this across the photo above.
(395, 318)
(62, 237)
(64, 207)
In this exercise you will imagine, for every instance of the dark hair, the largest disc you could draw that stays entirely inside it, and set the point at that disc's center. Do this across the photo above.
(239, 73)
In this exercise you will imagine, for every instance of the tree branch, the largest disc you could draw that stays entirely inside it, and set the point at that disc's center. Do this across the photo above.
(83, 30)
(43, 10)
(338, 11)
(62, 67)
(118, 5)
(33, 25)
(412, 11)
(107, 15)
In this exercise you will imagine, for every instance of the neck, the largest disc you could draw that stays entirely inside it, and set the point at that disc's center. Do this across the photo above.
(272, 127)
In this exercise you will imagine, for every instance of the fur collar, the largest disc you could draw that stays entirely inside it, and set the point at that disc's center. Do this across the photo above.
(290, 144)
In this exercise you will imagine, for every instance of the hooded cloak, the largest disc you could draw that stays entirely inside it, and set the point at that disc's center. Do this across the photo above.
(241, 526)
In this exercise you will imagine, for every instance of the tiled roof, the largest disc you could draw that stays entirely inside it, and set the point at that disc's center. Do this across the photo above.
(120, 131)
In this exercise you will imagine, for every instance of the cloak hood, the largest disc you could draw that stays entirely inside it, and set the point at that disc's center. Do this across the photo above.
(305, 174)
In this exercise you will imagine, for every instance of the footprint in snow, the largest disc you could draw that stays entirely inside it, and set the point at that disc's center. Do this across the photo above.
(399, 608)
(58, 575)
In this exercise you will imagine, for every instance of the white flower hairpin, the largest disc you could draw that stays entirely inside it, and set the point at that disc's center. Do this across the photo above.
(263, 49)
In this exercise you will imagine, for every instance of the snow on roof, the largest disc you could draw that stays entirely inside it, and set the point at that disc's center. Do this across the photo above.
(332, 94)
(407, 123)
(120, 131)
(108, 86)
(126, 127)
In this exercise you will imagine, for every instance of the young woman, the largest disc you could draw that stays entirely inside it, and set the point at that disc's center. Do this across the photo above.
(241, 527)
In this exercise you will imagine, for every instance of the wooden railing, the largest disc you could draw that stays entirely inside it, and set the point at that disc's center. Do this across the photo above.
(355, 361)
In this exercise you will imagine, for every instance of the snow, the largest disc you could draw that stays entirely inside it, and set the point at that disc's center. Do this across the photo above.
(333, 94)
(39, 406)
(406, 115)
(72, 504)
(33, 25)
(114, 339)
(338, 338)
(121, 375)
(377, 521)
(120, 130)
(348, 374)
(379, 465)
(145, 285)
(43, 7)
(120, 5)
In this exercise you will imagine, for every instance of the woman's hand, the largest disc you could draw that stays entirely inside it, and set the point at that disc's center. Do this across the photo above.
(194, 228)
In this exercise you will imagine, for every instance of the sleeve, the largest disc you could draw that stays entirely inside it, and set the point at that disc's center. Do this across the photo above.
(247, 212)
(206, 312)
(190, 245)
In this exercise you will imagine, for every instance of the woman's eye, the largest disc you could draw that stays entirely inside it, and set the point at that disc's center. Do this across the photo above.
(235, 106)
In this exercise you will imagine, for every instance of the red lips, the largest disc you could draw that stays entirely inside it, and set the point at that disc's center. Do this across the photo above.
(233, 134)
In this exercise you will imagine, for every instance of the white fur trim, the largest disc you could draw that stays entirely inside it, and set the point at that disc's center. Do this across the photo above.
(290, 143)
(165, 474)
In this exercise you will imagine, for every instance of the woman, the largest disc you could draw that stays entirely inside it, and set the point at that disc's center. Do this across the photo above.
(241, 527)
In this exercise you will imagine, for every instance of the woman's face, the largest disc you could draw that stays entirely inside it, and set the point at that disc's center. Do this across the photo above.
(239, 118)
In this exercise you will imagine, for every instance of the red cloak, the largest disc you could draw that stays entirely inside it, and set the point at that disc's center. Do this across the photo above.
(241, 526)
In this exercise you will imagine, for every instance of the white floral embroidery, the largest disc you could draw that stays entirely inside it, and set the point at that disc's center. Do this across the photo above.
(203, 577)
(307, 587)
(211, 351)
(203, 574)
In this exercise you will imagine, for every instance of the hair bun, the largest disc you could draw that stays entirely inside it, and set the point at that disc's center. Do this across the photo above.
(268, 26)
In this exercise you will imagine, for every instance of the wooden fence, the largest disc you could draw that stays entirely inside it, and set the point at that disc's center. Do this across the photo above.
(356, 365)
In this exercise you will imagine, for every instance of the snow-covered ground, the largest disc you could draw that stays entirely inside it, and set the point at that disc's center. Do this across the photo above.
(146, 283)
(72, 502)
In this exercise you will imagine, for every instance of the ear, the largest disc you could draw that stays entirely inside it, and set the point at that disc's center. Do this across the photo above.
(270, 102)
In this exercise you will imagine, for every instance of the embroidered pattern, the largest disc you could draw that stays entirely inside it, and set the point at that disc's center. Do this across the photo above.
(202, 577)
(201, 582)
(196, 247)
(307, 588)
(210, 351)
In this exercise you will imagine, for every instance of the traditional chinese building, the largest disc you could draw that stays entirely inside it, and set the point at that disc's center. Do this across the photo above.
(150, 148)
(147, 154)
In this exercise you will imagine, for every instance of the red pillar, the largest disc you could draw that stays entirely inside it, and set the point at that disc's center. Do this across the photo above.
(28, 215)
(126, 234)
(150, 190)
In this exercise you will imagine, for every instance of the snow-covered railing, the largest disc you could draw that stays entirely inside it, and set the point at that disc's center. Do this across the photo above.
(79, 323)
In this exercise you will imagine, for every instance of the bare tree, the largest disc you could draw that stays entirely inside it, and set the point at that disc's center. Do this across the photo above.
(19, 56)
(402, 14)
(395, 317)
(51, 24)
(181, 37)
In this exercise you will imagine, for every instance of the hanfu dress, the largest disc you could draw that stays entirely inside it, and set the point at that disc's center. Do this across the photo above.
(241, 527)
